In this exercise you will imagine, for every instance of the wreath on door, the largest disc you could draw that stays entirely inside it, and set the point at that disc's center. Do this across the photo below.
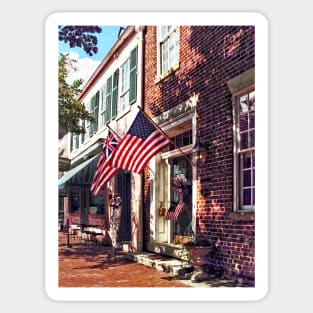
(179, 185)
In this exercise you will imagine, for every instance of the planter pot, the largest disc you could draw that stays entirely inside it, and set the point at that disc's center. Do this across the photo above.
(198, 255)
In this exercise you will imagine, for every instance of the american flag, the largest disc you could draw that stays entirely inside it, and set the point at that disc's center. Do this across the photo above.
(173, 212)
(142, 141)
(104, 171)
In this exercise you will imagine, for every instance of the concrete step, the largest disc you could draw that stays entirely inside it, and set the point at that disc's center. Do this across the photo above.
(172, 266)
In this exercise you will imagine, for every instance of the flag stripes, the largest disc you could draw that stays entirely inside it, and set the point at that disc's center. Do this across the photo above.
(173, 213)
(104, 171)
(139, 145)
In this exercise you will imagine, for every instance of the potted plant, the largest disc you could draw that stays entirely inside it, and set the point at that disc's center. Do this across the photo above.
(198, 255)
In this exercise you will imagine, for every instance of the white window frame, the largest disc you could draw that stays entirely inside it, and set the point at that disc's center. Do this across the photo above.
(162, 39)
(239, 155)
(123, 103)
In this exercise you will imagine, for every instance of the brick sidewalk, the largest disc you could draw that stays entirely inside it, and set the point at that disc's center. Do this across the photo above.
(92, 266)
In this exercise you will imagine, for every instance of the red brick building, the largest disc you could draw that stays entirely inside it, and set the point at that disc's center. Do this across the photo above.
(199, 84)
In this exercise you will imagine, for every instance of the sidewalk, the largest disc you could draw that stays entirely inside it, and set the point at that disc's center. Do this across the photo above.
(84, 265)
(92, 266)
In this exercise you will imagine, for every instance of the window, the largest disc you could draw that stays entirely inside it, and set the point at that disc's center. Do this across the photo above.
(181, 167)
(245, 150)
(108, 100)
(96, 205)
(74, 142)
(168, 47)
(74, 205)
(124, 86)
(182, 140)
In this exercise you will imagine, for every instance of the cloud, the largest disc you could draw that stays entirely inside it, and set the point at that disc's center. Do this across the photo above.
(84, 68)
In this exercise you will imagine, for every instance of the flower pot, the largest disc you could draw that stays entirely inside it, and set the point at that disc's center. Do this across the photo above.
(198, 255)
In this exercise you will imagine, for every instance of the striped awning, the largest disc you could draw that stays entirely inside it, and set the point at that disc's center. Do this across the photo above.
(82, 174)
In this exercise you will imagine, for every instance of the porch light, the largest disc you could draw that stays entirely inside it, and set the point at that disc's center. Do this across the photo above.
(199, 153)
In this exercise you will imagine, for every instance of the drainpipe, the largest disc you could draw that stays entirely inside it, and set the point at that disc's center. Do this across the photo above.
(143, 228)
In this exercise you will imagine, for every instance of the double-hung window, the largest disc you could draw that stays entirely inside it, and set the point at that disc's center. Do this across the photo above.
(245, 150)
(168, 47)
(124, 100)
(108, 100)
(128, 81)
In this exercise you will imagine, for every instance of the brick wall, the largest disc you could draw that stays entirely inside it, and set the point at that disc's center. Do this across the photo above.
(209, 57)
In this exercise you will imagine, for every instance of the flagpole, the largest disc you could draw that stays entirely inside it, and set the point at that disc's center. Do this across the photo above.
(113, 131)
(164, 133)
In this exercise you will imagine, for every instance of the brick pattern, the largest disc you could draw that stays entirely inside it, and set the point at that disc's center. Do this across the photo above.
(209, 57)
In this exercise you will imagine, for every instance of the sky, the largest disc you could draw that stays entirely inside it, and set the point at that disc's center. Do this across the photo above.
(86, 64)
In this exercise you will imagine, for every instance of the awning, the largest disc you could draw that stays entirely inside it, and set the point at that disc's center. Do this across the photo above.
(81, 174)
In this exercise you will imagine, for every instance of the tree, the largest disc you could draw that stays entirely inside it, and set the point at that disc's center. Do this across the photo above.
(80, 36)
(71, 111)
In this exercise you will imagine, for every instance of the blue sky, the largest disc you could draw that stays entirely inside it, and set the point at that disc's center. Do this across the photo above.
(87, 64)
(106, 39)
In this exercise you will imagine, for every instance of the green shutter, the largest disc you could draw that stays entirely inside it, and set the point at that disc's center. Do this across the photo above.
(91, 111)
(108, 96)
(71, 143)
(96, 111)
(114, 94)
(102, 106)
(83, 127)
(76, 141)
(133, 76)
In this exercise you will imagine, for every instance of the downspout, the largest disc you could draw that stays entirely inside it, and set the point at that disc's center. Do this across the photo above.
(143, 215)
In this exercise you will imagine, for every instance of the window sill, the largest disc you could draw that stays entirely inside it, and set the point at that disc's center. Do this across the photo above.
(242, 216)
(122, 114)
(160, 77)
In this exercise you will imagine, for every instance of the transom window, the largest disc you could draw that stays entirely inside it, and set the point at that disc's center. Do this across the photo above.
(182, 140)
(168, 45)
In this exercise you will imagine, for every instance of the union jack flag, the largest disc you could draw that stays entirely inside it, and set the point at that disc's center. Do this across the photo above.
(104, 171)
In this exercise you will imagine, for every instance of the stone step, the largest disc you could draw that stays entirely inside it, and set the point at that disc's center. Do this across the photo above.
(172, 266)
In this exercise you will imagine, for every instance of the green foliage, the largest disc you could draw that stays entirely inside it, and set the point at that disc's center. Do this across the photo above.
(71, 111)
(80, 36)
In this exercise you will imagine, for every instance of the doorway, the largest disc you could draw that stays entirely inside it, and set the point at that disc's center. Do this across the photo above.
(123, 188)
